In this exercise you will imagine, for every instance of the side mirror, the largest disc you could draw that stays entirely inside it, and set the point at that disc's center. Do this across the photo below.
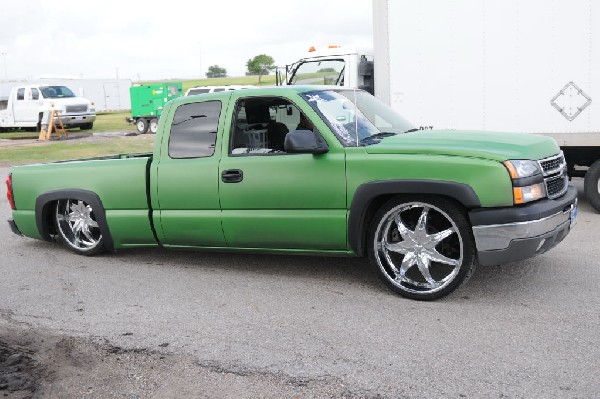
(304, 142)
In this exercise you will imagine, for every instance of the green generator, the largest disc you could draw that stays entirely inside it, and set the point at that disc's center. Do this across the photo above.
(148, 101)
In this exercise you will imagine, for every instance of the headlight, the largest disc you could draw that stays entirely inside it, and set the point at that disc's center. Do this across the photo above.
(527, 179)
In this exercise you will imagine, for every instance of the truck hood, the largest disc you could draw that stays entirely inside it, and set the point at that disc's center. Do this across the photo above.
(496, 146)
(68, 100)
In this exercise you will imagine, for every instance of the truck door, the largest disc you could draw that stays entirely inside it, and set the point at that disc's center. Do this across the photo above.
(185, 177)
(31, 105)
(20, 105)
(272, 199)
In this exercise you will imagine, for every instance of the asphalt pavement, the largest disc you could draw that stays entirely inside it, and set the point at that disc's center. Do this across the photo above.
(528, 329)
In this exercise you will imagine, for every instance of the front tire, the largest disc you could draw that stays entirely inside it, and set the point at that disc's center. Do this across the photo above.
(422, 247)
(77, 227)
(591, 185)
(86, 126)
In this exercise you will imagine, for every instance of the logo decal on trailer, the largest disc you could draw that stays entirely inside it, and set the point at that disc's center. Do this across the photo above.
(571, 101)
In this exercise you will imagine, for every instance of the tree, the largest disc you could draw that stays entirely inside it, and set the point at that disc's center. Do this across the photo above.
(260, 65)
(215, 71)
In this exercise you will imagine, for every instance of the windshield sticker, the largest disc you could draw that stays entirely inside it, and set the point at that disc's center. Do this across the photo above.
(343, 133)
(314, 98)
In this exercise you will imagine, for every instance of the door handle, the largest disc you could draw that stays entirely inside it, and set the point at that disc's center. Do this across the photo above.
(232, 176)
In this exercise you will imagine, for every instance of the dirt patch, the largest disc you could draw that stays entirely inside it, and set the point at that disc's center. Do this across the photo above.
(19, 373)
(38, 363)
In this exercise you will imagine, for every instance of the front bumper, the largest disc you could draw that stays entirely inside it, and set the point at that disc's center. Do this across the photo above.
(13, 227)
(512, 234)
(76, 120)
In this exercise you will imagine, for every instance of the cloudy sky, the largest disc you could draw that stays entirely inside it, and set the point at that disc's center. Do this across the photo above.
(169, 38)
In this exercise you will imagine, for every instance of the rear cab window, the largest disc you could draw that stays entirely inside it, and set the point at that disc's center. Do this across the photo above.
(194, 130)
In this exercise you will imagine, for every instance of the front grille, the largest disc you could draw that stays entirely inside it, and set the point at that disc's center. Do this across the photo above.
(553, 165)
(556, 186)
(73, 109)
(555, 176)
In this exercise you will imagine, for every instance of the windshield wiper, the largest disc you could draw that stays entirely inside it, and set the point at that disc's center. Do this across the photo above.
(415, 129)
(376, 137)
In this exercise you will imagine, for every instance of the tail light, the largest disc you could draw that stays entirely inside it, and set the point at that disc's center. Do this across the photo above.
(9, 192)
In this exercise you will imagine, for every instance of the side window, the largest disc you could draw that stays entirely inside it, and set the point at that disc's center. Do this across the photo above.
(35, 94)
(194, 130)
(261, 124)
(21, 93)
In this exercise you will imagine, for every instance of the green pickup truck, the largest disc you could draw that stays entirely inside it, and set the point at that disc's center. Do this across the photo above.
(310, 169)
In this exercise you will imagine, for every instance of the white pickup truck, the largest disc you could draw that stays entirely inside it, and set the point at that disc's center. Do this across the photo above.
(28, 107)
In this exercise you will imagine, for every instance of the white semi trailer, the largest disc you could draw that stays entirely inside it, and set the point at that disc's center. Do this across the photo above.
(529, 66)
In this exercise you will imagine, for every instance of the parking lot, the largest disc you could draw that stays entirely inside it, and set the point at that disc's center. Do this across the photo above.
(157, 323)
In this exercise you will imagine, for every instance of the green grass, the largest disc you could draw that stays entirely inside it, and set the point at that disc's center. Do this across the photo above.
(112, 121)
(267, 80)
(74, 149)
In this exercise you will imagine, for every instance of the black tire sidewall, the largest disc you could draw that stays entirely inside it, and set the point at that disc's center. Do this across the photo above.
(590, 185)
(457, 215)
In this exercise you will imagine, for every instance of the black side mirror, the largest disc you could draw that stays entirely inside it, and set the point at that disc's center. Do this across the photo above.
(304, 142)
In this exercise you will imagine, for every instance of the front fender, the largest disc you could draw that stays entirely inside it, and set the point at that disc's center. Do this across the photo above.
(367, 193)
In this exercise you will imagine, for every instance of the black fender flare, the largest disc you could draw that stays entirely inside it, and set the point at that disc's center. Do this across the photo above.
(366, 193)
(42, 209)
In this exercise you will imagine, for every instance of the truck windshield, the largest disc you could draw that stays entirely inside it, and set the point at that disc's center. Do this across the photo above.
(56, 92)
(356, 117)
(325, 72)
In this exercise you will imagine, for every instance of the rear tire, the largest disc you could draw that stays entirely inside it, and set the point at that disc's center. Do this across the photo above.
(591, 185)
(422, 247)
(77, 227)
(153, 126)
(142, 125)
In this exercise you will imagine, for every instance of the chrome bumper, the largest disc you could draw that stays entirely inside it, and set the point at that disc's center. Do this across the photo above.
(499, 236)
(528, 231)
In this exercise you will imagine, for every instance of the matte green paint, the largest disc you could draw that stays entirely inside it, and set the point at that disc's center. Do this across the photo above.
(294, 202)
(469, 144)
(489, 179)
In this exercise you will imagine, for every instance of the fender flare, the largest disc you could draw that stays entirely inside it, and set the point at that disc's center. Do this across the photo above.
(42, 209)
(366, 193)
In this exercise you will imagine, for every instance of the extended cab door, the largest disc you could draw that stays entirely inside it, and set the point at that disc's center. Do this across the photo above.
(26, 104)
(274, 200)
(184, 177)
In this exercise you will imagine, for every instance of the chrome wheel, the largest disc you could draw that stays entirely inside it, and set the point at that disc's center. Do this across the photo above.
(77, 226)
(420, 250)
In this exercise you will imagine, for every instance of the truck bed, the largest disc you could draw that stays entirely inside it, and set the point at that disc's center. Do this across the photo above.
(120, 181)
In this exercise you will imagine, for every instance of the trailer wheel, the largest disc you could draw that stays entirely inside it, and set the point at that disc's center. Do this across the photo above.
(591, 185)
(153, 125)
(142, 125)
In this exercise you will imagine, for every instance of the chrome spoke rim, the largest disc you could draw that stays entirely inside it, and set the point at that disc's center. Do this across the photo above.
(77, 225)
(418, 247)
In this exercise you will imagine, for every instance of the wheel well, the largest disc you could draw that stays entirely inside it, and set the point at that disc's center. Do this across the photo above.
(44, 216)
(377, 202)
(49, 227)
